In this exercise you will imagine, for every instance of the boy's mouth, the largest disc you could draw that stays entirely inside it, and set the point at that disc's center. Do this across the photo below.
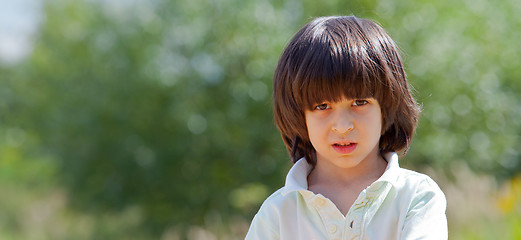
(343, 144)
(344, 148)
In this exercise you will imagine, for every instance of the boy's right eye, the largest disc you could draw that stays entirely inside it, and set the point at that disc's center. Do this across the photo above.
(322, 106)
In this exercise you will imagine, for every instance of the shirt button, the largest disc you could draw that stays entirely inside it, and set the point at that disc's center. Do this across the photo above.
(332, 228)
(321, 202)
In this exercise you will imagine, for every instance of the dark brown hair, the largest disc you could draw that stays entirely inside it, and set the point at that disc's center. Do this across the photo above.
(335, 57)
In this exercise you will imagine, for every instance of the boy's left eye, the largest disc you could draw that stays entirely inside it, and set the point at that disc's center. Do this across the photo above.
(360, 102)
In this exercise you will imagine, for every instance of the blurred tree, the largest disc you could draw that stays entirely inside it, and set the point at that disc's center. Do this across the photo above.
(462, 57)
(164, 106)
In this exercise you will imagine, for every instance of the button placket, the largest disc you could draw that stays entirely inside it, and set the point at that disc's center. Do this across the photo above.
(353, 220)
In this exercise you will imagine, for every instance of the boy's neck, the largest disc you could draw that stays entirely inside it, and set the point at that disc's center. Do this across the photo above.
(325, 173)
(343, 185)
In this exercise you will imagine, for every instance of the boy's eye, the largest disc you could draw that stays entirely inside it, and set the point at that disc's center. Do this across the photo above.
(322, 106)
(360, 102)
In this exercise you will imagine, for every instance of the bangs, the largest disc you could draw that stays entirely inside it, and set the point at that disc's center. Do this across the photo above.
(335, 65)
(324, 83)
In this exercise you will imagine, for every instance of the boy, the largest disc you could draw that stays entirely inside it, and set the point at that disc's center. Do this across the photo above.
(343, 106)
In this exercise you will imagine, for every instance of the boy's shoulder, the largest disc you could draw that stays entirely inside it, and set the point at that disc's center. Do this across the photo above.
(277, 198)
(420, 183)
(280, 200)
(411, 176)
(406, 179)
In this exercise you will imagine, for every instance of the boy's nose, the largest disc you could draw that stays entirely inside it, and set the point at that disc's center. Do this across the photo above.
(343, 123)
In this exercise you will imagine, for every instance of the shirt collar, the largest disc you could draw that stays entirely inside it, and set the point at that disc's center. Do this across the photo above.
(297, 178)
(390, 175)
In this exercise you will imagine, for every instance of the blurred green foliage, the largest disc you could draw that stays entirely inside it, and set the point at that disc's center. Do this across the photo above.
(164, 106)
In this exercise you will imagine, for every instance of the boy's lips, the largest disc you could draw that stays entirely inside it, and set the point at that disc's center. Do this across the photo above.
(344, 147)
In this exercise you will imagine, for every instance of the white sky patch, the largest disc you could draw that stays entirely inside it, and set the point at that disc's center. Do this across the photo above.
(19, 21)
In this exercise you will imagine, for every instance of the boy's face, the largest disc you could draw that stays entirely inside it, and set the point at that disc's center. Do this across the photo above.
(345, 133)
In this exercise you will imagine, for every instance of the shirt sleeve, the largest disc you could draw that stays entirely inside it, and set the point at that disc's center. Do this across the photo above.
(263, 226)
(426, 217)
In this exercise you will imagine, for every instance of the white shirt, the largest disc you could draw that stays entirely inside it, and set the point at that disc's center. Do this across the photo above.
(401, 204)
